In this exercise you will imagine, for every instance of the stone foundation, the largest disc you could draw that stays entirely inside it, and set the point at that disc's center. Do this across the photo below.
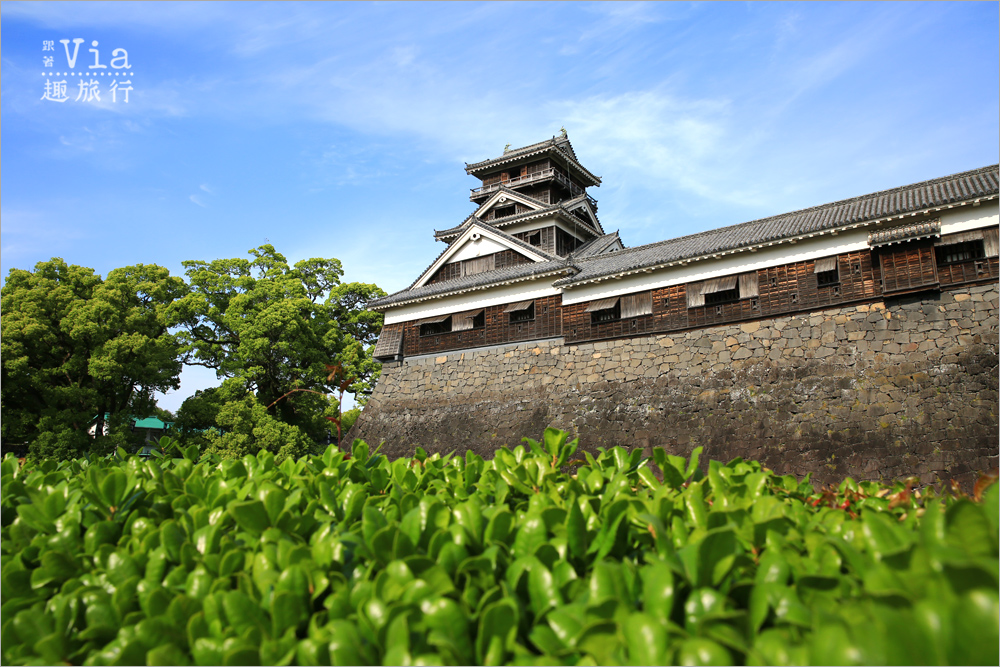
(880, 390)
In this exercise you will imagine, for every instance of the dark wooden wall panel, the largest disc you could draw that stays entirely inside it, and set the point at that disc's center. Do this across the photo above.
(453, 270)
(971, 271)
(498, 330)
(908, 266)
(785, 289)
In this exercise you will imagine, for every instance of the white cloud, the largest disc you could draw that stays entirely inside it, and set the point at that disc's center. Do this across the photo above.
(195, 199)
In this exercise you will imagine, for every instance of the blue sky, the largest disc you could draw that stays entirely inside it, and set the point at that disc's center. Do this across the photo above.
(340, 130)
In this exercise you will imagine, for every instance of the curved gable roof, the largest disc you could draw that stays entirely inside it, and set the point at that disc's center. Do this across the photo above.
(558, 145)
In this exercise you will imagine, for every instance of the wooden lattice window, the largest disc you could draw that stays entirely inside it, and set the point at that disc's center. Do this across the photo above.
(966, 251)
(504, 212)
(433, 326)
(471, 319)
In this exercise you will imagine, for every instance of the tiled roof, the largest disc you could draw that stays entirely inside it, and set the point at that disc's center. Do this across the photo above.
(522, 244)
(919, 230)
(474, 282)
(958, 188)
(474, 222)
(584, 198)
(451, 231)
(561, 207)
(454, 231)
(596, 246)
(559, 143)
(942, 191)
(513, 153)
(152, 422)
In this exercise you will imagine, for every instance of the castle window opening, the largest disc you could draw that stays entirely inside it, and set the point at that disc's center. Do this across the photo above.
(504, 212)
(522, 311)
(605, 310)
(721, 290)
(827, 272)
(636, 305)
(966, 251)
(470, 319)
(432, 326)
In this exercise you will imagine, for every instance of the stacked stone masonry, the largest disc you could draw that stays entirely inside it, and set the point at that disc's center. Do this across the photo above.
(881, 390)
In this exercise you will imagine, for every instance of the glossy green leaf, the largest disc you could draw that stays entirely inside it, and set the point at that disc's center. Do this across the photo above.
(698, 651)
(251, 516)
(658, 591)
(531, 534)
(497, 628)
(646, 640)
(542, 590)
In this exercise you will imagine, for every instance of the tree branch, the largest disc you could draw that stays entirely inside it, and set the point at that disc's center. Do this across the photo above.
(289, 393)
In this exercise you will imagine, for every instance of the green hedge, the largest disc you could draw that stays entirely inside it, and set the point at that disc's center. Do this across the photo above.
(356, 559)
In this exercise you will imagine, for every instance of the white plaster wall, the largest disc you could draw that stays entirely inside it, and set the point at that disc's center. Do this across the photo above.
(495, 296)
(473, 249)
(970, 217)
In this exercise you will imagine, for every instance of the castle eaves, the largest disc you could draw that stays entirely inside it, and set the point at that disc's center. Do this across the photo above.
(561, 208)
(475, 282)
(475, 222)
(858, 211)
(553, 146)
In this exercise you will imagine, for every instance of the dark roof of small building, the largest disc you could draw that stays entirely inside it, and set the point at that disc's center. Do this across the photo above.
(868, 208)
(560, 144)
(390, 343)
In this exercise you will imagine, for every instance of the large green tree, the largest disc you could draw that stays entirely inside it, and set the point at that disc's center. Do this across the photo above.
(76, 348)
(271, 329)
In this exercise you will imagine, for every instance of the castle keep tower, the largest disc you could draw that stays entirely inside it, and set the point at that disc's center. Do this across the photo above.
(537, 194)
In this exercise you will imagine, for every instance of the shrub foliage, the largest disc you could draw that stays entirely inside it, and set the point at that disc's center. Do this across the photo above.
(354, 559)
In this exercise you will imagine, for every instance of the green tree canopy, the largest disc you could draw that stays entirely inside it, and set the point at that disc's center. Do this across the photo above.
(274, 328)
(76, 347)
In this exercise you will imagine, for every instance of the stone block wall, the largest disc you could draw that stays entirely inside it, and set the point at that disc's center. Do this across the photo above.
(881, 390)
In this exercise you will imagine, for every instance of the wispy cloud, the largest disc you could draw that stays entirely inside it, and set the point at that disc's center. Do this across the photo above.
(614, 20)
(195, 199)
